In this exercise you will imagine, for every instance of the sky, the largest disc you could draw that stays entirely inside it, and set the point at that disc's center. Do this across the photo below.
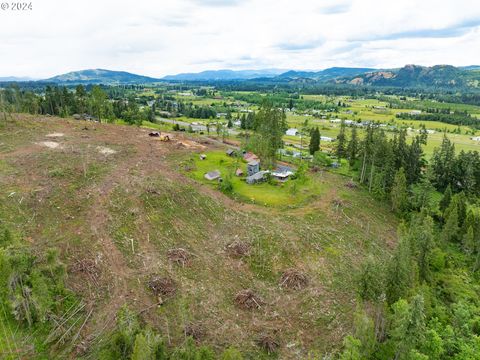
(157, 38)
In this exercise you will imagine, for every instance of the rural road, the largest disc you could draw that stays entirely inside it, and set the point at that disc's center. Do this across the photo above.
(194, 127)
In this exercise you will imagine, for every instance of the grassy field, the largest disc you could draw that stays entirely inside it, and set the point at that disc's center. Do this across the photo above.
(124, 209)
(289, 194)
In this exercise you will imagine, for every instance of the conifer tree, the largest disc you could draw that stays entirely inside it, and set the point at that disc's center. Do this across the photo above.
(314, 145)
(352, 148)
(451, 228)
(447, 197)
(399, 196)
(341, 141)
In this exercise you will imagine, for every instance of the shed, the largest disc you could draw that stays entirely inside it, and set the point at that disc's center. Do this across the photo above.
(212, 175)
(257, 177)
(203, 156)
(230, 152)
(282, 173)
(292, 132)
(239, 172)
(253, 167)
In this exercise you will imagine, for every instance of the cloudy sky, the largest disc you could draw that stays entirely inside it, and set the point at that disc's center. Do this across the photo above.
(163, 37)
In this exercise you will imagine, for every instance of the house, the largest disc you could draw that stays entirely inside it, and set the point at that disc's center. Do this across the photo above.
(230, 152)
(249, 156)
(253, 167)
(212, 175)
(326, 138)
(282, 173)
(415, 112)
(476, 138)
(257, 177)
(292, 132)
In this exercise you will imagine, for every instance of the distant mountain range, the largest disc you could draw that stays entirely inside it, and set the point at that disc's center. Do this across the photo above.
(407, 76)
(15, 78)
(212, 75)
(101, 76)
(327, 74)
(418, 76)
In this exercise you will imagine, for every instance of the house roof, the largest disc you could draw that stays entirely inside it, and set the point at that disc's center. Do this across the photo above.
(249, 156)
(283, 169)
(257, 176)
(212, 175)
(253, 163)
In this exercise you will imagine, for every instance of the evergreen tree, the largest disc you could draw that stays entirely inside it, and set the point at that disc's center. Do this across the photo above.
(446, 199)
(451, 228)
(352, 148)
(443, 164)
(341, 141)
(272, 127)
(141, 349)
(314, 145)
(399, 276)
(399, 196)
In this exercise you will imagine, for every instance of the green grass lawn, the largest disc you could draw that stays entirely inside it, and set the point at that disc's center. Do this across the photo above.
(288, 194)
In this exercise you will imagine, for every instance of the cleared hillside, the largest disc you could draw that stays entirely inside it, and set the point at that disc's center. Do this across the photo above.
(118, 205)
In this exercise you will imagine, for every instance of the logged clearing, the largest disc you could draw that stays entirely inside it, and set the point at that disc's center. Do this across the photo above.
(133, 229)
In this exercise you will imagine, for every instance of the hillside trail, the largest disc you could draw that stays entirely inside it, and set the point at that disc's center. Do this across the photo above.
(122, 279)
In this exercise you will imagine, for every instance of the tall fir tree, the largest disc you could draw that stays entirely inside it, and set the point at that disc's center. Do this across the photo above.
(314, 145)
(341, 141)
(352, 148)
(399, 195)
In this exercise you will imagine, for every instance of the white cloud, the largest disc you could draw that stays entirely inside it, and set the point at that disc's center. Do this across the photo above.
(165, 37)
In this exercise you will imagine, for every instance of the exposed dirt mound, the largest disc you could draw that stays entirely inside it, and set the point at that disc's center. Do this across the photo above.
(163, 286)
(180, 256)
(268, 343)
(87, 267)
(50, 144)
(105, 150)
(248, 300)
(195, 330)
(55, 135)
(238, 249)
(351, 184)
(338, 202)
(293, 279)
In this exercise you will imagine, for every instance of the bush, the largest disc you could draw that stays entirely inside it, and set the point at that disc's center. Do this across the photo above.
(226, 186)
(322, 159)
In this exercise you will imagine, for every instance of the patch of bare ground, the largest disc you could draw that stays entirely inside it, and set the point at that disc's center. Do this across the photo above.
(180, 256)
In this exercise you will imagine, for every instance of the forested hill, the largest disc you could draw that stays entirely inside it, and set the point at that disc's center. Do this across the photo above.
(418, 76)
(409, 76)
(97, 76)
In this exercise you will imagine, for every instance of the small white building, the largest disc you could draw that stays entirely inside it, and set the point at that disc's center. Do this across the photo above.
(476, 138)
(326, 138)
(292, 132)
(415, 112)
